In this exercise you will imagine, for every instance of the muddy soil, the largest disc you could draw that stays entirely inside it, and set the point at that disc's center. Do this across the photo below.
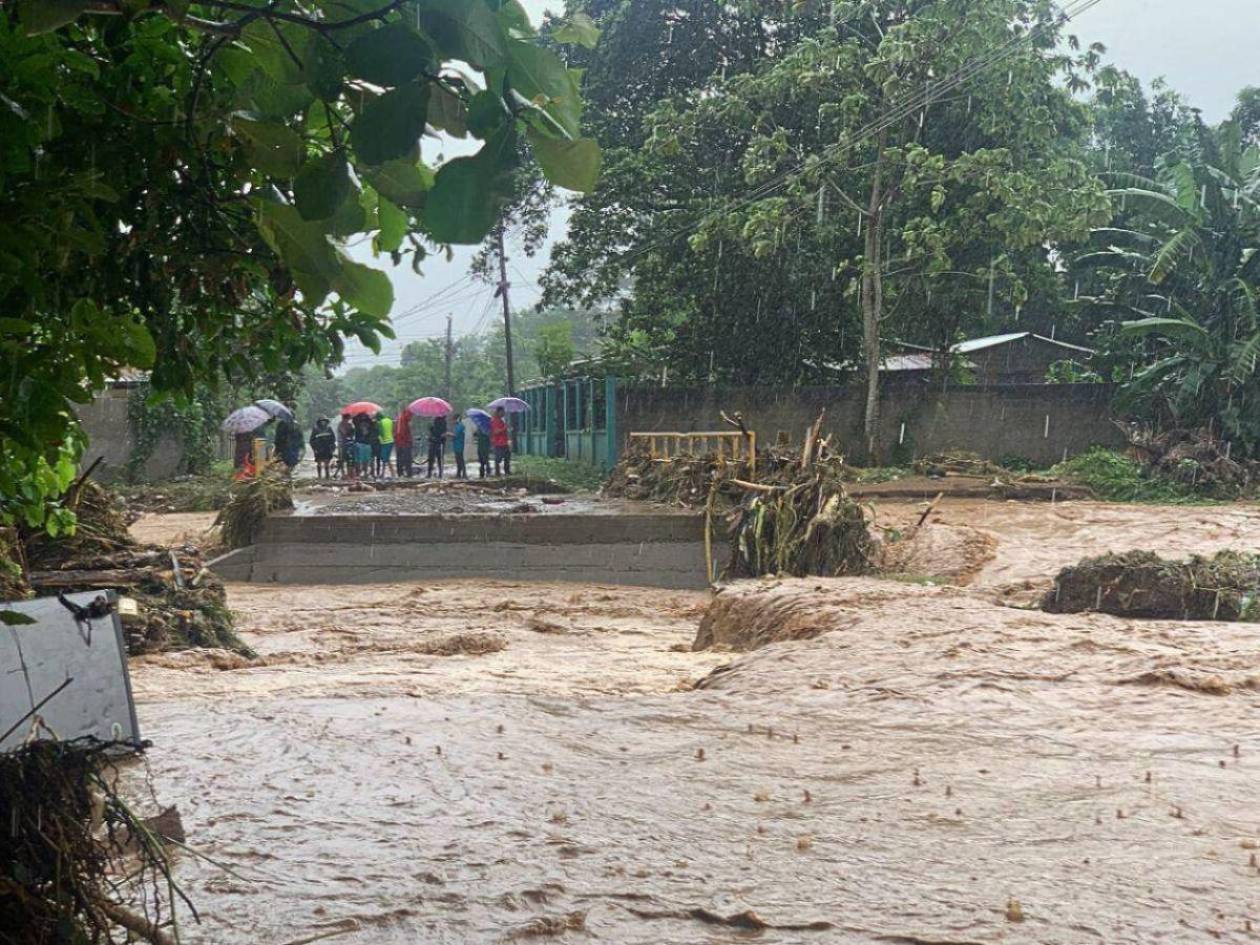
(922, 765)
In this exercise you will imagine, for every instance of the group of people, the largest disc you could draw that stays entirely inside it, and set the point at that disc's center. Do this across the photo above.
(363, 446)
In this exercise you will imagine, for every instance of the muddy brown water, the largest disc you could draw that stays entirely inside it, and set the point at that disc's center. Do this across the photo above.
(901, 777)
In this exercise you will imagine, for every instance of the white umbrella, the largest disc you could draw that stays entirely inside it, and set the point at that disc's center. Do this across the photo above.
(274, 409)
(246, 420)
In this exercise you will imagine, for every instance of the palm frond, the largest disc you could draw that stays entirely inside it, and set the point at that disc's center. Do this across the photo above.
(1171, 254)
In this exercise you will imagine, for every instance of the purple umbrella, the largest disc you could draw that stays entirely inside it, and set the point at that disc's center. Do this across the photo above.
(246, 420)
(479, 417)
(509, 405)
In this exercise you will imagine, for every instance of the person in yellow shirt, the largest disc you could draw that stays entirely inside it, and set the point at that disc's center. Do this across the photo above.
(385, 430)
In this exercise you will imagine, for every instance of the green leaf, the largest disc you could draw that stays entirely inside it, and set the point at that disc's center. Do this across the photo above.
(486, 114)
(321, 186)
(573, 165)
(263, 40)
(15, 326)
(367, 289)
(276, 149)
(394, 224)
(391, 55)
(1170, 255)
(447, 111)
(323, 68)
(464, 29)
(541, 78)
(469, 193)
(1163, 326)
(404, 181)
(389, 126)
(138, 347)
(302, 246)
(579, 29)
(44, 16)
(11, 618)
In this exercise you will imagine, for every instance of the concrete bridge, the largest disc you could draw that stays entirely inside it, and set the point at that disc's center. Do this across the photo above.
(657, 549)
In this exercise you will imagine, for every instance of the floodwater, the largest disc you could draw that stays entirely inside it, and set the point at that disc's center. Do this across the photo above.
(934, 767)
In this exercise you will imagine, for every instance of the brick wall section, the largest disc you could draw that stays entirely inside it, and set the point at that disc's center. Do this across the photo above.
(1041, 423)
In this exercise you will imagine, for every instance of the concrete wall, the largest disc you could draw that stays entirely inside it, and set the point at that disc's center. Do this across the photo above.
(664, 550)
(105, 422)
(1041, 423)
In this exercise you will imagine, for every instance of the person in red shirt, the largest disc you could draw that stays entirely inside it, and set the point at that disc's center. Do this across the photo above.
(501, 440)
(404, 443)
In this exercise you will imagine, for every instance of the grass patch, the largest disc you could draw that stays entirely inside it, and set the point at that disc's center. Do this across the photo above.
(1118, 478)
(576, 476)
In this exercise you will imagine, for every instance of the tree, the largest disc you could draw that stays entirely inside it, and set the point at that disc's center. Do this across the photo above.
(900, 159)
(1188, 268)
(554, 350)
(178, 181)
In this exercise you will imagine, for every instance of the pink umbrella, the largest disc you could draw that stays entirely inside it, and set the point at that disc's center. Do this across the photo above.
(430, 407)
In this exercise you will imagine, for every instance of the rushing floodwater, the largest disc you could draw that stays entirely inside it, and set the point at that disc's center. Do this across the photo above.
(899, 779)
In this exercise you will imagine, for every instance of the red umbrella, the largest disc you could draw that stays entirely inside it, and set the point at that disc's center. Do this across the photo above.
(430, 407)
(362, 406)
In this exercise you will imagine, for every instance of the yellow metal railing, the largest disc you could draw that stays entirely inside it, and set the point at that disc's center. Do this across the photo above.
(733, 446)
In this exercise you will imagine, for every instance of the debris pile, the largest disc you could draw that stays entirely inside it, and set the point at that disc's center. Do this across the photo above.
(1225, 586)
(80, 866)
(787, 514)
(249, 503)
(1198, 460)
(180, 604)
(959, 463)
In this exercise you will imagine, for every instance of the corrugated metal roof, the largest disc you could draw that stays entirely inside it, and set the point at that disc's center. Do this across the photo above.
(993, 341)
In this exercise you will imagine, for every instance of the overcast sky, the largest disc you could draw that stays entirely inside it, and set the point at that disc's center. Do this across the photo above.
(1206, 49)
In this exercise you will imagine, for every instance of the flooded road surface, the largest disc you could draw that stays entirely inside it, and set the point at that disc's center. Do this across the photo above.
(929, 767)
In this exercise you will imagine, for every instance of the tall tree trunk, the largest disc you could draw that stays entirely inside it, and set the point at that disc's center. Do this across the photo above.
(873, 302)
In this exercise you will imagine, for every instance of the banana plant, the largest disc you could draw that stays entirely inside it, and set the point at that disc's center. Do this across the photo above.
(1183, 281)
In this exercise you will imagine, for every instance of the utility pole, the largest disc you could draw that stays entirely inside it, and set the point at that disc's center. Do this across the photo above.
(450, 355)
(507, 309)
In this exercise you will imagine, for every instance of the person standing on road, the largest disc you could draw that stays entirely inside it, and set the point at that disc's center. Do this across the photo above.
(288, 442)
(364, 435)
(437, 444)
(501, 440)
(373, 431)
(482, 439)
(385, 431)
(404, 445)
(323, 446)
(345, 447)
(457, 444)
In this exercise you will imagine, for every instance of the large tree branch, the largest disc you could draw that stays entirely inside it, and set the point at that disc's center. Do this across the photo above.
(233, 27)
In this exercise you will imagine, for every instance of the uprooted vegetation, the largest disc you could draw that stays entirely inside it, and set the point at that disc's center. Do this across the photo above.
(1142, 584)
(788, 513)
(250, 502)
(180, 603)
(80, 866)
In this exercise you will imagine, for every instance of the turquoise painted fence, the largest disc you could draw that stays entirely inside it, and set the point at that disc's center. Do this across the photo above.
(574, 419)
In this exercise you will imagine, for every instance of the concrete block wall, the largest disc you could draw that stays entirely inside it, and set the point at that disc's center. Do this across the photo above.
(1041, 423)
(105, 422)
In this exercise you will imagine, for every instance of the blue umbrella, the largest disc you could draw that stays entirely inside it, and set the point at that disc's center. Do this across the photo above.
(479, 417)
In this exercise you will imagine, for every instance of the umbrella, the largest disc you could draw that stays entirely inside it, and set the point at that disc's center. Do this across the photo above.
(362, 406)
(509, 405)
(274, 409)
(430, 407)
(246, 420)
(479, 417)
